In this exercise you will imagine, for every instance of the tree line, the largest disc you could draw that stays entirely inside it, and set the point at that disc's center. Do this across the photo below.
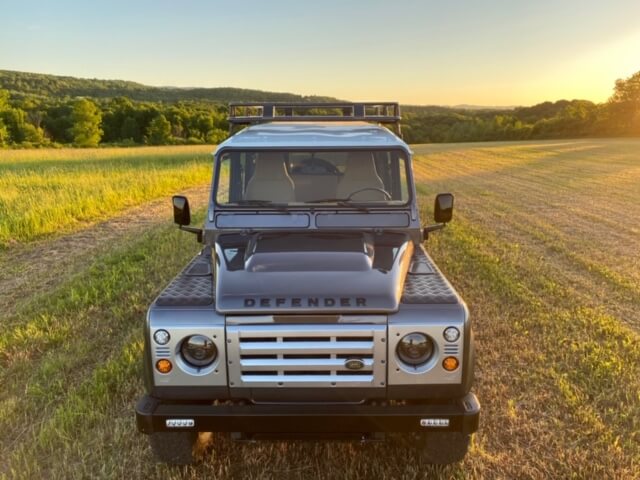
(42, 114)
(619, 116)
(85, 122)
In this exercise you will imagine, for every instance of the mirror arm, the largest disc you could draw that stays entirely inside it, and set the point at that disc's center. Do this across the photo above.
(432, 228)
(197, 231)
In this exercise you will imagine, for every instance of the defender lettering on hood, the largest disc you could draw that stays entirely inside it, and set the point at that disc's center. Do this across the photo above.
(309, 302)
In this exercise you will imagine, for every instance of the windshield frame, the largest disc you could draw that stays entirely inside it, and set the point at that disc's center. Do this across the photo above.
(371, 205)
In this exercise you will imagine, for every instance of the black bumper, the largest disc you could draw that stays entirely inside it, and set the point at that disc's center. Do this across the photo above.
(462, 416)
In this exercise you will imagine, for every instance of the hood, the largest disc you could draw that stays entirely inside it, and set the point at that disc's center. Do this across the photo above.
(311, 273)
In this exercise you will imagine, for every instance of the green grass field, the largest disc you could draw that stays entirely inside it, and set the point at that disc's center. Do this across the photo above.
(543, 247)
(43, 192)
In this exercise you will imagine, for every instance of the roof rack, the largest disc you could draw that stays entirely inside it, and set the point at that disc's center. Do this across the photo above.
(250, 113)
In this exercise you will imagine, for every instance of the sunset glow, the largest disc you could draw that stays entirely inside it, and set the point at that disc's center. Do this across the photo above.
(488, 53)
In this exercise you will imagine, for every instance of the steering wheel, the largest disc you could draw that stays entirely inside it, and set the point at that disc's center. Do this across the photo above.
(381, 190)
(316, 166)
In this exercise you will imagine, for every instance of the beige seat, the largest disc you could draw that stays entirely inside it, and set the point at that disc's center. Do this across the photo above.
(270, 180)
(360, 173)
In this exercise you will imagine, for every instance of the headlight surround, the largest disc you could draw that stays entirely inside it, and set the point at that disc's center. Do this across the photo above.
(415, 349)
(198, 350)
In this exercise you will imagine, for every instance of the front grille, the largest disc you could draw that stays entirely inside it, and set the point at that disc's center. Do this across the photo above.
(306, 355)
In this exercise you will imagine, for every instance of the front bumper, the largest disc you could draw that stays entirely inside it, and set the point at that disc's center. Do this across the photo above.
(462, 415)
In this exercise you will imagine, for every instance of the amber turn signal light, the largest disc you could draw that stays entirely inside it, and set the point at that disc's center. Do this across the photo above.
(450, 364)
(164, 366)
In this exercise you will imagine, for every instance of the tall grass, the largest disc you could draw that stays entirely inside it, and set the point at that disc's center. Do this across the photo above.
(44, 192)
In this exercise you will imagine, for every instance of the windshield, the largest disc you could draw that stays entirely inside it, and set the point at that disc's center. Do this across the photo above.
(299, 178)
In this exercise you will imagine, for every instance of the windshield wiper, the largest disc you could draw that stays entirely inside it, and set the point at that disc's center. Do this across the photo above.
(261, 203)
(342, 202)
(329, 200)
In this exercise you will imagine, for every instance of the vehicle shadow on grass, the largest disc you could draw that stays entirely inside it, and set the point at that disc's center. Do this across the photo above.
(288, 460)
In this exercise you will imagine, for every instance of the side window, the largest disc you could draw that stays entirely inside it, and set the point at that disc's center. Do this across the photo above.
(391, 168)
(235, 170)
(403, 188)
(224, 179)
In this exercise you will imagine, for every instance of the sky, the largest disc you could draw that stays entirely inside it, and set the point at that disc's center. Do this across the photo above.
(491, 52)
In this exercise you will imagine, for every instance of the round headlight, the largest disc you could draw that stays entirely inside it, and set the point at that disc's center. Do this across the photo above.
(161, 337)
(451, 334)
(198, 350)
(415, 348)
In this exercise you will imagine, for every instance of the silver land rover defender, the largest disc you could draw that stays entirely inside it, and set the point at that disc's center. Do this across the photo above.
(313, 310)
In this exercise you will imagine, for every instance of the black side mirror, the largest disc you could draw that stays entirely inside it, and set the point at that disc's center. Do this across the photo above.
(181, 213)
(443, 208)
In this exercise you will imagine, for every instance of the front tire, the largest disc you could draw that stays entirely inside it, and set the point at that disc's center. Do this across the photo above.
(173, 448)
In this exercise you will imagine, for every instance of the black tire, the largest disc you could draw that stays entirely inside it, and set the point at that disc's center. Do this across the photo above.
(174, 448)
(443, 448)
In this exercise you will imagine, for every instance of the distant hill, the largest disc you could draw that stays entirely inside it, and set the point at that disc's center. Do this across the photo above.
(465, 106)
(20, 84)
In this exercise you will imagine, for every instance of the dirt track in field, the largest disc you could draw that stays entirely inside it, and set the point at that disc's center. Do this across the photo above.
(27, 270)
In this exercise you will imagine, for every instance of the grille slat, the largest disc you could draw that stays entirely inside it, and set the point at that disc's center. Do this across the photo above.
(303, 347)
(451, 350)
(163, 352)
(303, 380)
(301, 364)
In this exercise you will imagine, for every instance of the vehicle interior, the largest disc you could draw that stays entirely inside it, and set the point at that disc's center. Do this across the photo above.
(307, 177)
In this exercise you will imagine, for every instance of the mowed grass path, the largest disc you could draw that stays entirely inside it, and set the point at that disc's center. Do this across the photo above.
(544, 248)
(44, 192)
